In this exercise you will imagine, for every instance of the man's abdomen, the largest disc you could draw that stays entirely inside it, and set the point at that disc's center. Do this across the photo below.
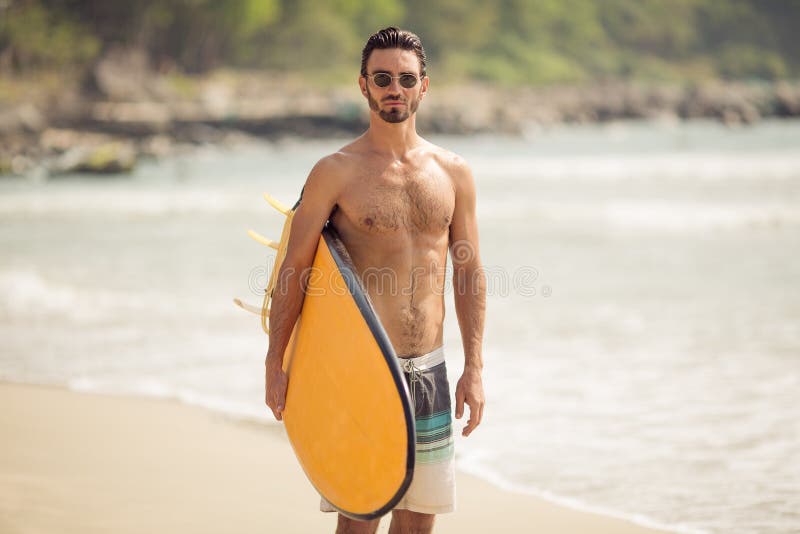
(413, 322)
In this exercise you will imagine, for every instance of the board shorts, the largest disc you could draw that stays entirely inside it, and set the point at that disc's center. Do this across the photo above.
(433, 486)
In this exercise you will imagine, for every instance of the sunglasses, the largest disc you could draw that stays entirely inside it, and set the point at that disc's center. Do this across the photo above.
(383, 79)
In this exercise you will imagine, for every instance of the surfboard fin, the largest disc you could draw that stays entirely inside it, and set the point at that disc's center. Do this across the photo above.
(263, 240)
(276, 204)
(248, 307)
(280, 247)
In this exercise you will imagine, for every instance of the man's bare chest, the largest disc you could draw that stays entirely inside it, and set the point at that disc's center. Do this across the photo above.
(410, 201)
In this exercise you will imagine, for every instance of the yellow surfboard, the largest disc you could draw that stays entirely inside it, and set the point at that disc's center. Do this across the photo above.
(347, 414)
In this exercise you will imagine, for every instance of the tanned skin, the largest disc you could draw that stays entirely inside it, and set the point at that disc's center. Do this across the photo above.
(399, 204)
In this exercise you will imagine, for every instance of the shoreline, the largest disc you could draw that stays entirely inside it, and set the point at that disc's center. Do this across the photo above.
(98, 476)
(64, 130)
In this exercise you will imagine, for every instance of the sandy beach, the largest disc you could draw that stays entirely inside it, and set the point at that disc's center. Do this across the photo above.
(82, 463)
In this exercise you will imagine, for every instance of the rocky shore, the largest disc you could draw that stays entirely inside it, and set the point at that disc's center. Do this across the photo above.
(122, 112)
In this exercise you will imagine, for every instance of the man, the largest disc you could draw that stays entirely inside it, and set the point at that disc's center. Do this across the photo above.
(399, 203)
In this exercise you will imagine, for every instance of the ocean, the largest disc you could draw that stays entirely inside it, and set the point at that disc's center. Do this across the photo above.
(642, 346)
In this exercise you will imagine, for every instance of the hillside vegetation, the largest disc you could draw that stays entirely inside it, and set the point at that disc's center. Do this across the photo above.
(507, 42)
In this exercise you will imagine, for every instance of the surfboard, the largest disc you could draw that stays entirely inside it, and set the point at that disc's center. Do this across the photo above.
(348, 414)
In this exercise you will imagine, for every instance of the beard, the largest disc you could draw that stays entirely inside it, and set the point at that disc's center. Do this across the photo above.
(394, 114)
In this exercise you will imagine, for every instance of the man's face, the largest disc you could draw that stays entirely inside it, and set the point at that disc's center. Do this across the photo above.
(393, 103)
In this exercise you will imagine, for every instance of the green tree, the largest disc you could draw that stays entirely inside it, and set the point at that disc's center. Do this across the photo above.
(505, 41)
(35, 36)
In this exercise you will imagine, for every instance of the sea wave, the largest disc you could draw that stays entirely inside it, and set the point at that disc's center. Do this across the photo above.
(473, 466)
(642, 215)
(28, 293)
(105, 201)
(153, 387)
(705, 166)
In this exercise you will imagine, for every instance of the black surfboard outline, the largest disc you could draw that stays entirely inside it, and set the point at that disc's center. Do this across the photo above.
(346, 267)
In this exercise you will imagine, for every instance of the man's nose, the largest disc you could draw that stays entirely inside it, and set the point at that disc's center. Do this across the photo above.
(394, 85)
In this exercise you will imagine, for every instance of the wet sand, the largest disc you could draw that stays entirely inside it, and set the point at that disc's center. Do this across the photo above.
(82, 463)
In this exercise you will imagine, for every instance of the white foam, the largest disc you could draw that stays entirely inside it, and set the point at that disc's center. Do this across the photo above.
(706, 166)
(27, 292)
(473, 467)
(645, 215)
(152, 387)
(143, 387)
(119, 202)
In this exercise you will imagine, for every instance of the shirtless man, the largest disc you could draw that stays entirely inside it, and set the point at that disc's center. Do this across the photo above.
(399, 203)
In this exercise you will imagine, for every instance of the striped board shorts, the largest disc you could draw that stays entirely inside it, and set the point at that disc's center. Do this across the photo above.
(433, 486)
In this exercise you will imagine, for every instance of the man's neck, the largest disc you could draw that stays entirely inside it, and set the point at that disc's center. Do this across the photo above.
(392, 139)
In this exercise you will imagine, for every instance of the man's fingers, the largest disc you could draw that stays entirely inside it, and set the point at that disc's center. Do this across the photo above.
(459, 404)
(475, 416)
(277, 408)
(276, 395)
(471, 424)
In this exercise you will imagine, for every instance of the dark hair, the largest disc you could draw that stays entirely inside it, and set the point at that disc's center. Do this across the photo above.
(392, 37)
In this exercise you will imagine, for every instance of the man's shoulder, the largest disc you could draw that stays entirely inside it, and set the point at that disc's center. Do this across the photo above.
(447, 159)
(333, 166)
(330, 163)
(330, 175)
(451, 163)
(339, 162)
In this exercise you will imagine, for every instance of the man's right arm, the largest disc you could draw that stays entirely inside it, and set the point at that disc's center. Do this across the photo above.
(320, 195)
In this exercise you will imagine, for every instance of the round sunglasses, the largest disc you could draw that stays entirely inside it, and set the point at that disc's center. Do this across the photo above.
(383, 79)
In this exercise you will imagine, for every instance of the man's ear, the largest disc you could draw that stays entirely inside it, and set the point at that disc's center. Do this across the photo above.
(362, 83)
(424, 86)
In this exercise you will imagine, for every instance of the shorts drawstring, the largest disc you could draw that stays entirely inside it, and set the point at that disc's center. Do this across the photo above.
(415, 372)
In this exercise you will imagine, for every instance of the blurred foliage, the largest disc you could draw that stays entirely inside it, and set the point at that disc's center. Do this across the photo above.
(32, 35)
(502, 41)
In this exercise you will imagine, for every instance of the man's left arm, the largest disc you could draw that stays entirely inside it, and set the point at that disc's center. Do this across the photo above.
(469, 287)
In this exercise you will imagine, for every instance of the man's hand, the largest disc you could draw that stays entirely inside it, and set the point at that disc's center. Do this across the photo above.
(470, 390)
(276, 384)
